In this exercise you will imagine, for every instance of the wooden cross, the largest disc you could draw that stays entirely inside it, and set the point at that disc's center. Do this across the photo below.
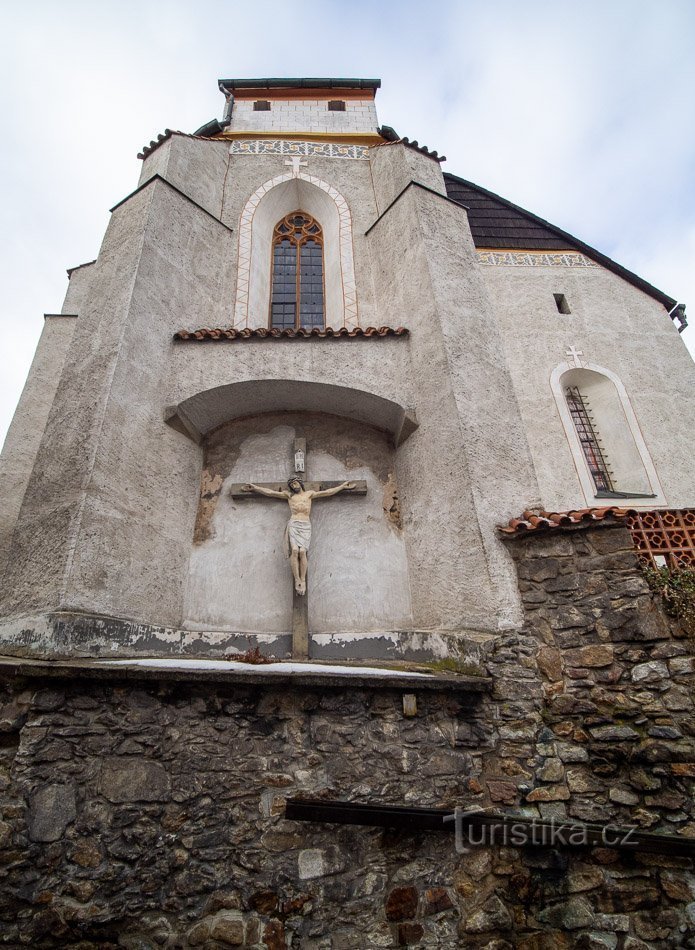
(300, 602)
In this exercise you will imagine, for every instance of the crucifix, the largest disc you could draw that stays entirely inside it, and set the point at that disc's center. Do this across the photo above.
(295, 162)
(299, 494)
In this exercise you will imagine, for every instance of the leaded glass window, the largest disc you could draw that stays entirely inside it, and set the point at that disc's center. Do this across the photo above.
(297, 295)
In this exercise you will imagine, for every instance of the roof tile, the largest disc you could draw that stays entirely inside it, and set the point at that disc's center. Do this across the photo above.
(542, 520)
(263, 333)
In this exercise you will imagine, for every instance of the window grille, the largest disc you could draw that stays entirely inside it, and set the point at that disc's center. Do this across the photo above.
(336, 105)
(261, 105)
(589, 440)
(297, 294)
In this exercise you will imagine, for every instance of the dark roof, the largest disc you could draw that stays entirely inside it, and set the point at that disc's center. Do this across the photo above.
(497, 223)
(167, 134)
(262, 333)
(71, 270)
(386, 132)
(299, 83)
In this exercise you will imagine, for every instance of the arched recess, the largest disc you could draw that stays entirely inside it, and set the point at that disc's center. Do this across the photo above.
(266, 206)
(200, 414)
(628, 457)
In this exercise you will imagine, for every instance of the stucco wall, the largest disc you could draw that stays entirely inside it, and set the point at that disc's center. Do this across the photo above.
(615, 326)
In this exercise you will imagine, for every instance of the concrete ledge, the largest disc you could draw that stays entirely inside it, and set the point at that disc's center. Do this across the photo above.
(243, 674)
(60, 634)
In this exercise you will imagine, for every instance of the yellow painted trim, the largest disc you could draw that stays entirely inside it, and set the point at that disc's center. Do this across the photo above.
(346, 138)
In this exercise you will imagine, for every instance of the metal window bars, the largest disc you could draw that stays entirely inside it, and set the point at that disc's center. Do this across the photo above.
(589, 440)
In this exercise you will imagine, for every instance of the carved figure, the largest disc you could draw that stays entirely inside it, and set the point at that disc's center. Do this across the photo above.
(298, 530)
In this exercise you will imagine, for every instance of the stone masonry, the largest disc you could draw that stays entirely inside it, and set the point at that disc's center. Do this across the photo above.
(150, 814)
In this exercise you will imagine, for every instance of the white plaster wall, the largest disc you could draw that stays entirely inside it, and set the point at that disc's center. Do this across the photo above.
(466, 466)
(239, 577)
(615, 326)
(29, 422)
(197, 167)
(394, 166)
(304, 115)
(107, 516)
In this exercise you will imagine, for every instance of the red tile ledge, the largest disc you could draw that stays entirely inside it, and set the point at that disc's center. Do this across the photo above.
(541, 520)
(263, 333)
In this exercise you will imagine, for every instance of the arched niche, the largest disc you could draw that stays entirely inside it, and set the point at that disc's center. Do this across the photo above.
(239, 580)
(271, 202)
(616, 425)
(204, 411)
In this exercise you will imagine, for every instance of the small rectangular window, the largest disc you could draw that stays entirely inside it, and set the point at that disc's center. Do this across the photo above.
(261, 105)
(336, 105)
(561, 303)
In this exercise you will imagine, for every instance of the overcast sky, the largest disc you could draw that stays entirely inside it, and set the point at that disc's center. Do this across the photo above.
(580, 112)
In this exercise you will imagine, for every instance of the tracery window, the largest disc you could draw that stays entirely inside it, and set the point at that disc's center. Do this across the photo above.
(297, 292)
(591, 446)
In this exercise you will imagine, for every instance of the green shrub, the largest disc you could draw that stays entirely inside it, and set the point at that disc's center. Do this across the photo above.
(677, 592)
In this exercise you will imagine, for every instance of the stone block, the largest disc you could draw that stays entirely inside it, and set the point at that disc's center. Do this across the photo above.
(311, 864)
(492, 916)
(401, 903)
(228, 929)
(570, 915)
(130, 779)
(621, 796)
(653, 672)
(436, 900)
(593, 655)
(614, 733)
(51, 809)
(409, 934)
(549, 662)
(551, 793)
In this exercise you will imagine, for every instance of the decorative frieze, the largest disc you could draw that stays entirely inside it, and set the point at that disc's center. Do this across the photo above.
(286, 147)
(536, 258)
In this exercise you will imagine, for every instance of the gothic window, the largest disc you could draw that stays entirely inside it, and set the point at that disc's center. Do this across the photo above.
(591, 446)
(296, 297)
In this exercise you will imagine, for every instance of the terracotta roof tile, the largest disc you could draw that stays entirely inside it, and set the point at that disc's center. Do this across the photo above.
(541, 520)
(263, 333)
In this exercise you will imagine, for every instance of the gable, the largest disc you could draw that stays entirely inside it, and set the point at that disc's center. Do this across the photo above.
(499, 224)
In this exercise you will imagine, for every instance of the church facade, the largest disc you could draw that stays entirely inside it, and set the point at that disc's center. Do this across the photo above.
(462, 357)
(323, 617)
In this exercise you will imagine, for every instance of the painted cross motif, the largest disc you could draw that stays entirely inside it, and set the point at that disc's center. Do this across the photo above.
(574, 355)
(299, 494)
(295, 162)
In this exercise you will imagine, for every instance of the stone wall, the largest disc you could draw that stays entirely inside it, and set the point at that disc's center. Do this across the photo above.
(151, 814)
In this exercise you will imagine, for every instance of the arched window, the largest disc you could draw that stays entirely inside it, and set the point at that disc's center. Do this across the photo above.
(604, 437)
(296, 297)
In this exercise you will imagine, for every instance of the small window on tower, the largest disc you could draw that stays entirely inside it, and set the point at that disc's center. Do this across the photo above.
(336, 105)
(261, 105)
(561, 303)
